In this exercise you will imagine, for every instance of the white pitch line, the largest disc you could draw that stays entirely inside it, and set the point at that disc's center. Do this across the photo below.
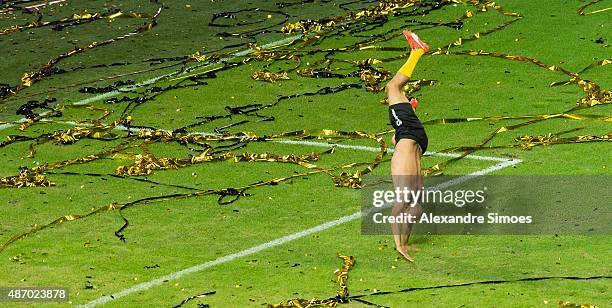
(376, 149)
(277, 242)
(302, 142)
(155, 79)
(343, 146)
(6, 125)
(221, 260)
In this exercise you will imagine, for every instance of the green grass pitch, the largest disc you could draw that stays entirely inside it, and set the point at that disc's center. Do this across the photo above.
(166, 237)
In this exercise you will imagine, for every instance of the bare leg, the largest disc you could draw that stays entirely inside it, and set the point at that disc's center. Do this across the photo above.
(395, 95)
(405, 170)
(406, 160)
(403, 166)
(416, 184)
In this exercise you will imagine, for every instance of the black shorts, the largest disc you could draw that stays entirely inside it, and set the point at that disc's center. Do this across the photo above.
(407, 124)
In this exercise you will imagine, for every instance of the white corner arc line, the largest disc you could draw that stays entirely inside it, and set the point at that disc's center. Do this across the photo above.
(280, 241)
(307, 143)
(390, 150)
(277, 242)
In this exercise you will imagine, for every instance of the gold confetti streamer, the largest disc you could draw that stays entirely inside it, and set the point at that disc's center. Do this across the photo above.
(117, 206)
(365, 71)
(26, 178)
(30, 78)
(145, 164)
(566, 304)
(26, 80)
(342, 277)
(75, 17)
(269, 76)
(581, 9)
(197, 56)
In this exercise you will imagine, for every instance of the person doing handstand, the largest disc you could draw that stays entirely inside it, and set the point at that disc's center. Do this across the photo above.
(410, 143)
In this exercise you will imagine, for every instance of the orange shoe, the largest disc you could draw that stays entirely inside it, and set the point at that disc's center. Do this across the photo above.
(414, 102)
(415, 41)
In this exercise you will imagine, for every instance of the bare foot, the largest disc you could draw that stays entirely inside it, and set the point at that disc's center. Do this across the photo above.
(407, 248)
(404, 254)
(412, 249)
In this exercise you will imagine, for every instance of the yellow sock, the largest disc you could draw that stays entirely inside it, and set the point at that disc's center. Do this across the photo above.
(414, 57)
